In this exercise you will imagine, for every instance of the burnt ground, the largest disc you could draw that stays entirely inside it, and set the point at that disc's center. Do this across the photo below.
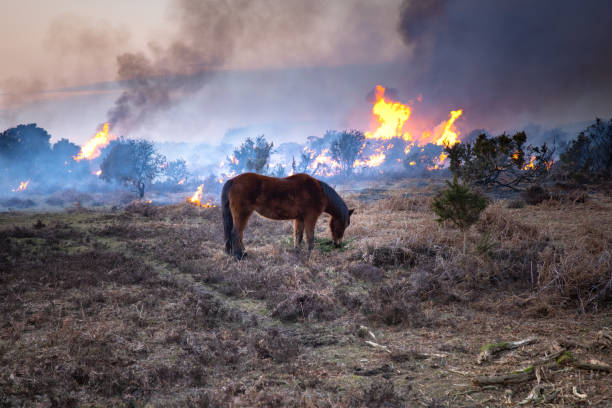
(141, 307)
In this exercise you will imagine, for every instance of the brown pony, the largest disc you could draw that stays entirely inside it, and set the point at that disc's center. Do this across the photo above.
(300, 198)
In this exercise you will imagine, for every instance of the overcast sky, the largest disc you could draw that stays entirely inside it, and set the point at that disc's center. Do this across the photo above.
(202, 70)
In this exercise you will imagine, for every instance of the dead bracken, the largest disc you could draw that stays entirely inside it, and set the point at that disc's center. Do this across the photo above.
(141, 306)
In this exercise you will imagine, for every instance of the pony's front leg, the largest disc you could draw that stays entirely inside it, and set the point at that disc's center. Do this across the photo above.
(298, 233)
(309, 225)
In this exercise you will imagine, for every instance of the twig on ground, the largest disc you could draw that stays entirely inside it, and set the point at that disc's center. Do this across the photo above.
(378, 346)
(536, 394)
(576, 393)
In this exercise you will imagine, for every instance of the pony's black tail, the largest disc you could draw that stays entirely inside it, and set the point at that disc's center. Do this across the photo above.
(228, 222)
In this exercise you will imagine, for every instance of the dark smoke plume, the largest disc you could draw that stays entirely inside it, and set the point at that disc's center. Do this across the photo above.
(151, 82)
(209, 33)
(545, 58)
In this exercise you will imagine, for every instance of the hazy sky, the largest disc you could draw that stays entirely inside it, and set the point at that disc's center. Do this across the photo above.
(52, 51)
(202, 70)
(34, 46)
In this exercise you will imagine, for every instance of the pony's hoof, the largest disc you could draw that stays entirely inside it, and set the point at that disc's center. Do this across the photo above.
(241, 256)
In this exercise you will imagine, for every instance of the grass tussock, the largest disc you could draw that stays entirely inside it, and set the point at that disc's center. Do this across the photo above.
(305, 305)
(579, 274)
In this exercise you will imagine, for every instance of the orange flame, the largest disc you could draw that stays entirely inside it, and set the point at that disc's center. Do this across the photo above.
(22, 186)
(549, 164)
(181, 181)
(323, 164)
(391, 128)
(93, 147)
(98, 173)
(196, 199)
(374, 160)
(391, 117)
(449, 136)
(530, 165)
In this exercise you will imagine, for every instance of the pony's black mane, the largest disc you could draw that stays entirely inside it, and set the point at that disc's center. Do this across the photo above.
(335, 205)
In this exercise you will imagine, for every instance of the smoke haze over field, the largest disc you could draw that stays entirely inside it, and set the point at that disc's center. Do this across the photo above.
(219, 71)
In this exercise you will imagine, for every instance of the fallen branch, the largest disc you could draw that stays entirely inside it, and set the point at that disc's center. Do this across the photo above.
(512, 378)
(489, 350)
(559, 359)
(568, 359)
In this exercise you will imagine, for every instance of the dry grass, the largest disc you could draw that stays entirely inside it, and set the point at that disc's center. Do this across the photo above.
(142, 306)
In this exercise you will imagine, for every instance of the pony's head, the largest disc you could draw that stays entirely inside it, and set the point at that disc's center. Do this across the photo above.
(337, 225)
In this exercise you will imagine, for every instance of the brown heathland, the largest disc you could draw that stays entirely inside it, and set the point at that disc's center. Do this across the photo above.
(143, 307)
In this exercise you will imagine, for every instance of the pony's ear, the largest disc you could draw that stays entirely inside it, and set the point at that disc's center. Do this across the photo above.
(351, 211)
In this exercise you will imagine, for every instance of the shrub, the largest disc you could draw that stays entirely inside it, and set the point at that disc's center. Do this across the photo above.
(460, 205)
(577, 275)
(515, 204)
(18, 203)
(305, 305)
(589, 156)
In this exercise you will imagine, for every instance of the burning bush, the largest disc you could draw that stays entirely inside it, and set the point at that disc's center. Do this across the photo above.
(252, 155)
(499, 161)
(423, 158)
(176, 172)
(27, 154)
(346, 147)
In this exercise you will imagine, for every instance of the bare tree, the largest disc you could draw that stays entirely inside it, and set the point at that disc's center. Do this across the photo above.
(133, 162)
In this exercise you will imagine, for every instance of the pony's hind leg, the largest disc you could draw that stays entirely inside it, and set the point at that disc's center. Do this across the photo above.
(298, 233)
(240, 223)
